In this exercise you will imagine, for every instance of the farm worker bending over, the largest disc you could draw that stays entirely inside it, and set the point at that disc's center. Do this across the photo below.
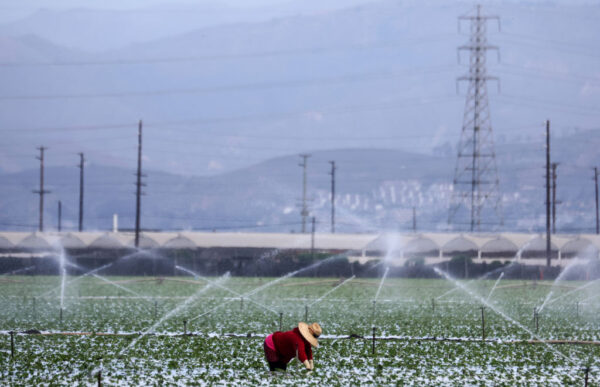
(281, 347)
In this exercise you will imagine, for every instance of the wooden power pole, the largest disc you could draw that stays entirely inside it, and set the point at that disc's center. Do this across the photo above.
(81, 161)
(41, 191)
(548, 241)
(332, 173)
(138, 184)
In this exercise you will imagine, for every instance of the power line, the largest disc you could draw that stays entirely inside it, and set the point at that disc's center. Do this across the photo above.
(257, 54)
(347, 109)
(343, 80)
(546, 74)
(545, 46)
(544, 104)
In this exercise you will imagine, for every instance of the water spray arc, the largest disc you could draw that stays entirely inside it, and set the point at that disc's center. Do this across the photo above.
(101, 278)
(265, 286)
(494, 287)
(177, 309)
(217, 284)
(329, 292)
(385, 273)
(506, 317)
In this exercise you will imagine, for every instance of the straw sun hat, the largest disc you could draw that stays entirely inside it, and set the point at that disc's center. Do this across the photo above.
(310, 332)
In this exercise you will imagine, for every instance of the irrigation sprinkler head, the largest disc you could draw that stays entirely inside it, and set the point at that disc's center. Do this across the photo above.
(374, 331)
(12, 344)
(587, 372)
(280, 321)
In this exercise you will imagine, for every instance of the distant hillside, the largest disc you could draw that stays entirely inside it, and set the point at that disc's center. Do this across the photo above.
(221, 96)
(375, 190)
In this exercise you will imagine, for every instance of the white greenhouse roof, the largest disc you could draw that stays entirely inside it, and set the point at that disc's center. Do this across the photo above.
(396, 242)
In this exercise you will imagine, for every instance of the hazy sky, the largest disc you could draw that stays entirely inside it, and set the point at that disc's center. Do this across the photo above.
(11, 10)
(354, 77)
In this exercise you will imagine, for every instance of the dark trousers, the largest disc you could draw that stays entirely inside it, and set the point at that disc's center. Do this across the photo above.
(277, 365)
(273, 359)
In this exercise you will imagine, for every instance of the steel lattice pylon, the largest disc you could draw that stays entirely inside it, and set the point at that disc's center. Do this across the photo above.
(475, 195)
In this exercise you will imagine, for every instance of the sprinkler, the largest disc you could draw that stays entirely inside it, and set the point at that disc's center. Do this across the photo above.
(184, 327)
(374, 330)
(33, 306)
(433, 305)
(61, 315)
(482, 324)
(12, 344)
(99, 378)
(280, 320)
(536, 317)
(577, 309)
(374, 302)
(587, 372)
(306, 313)
(155, 309)
(241, 303)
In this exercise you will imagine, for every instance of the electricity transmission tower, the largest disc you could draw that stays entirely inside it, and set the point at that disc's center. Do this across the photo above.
(476, 198)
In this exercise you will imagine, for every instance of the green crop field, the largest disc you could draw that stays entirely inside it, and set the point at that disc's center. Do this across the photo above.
(131, 330)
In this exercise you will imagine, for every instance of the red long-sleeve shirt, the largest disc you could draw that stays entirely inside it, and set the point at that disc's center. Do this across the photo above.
(290, 343)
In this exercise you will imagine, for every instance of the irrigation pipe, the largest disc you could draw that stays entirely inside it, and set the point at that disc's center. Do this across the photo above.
(323, 337)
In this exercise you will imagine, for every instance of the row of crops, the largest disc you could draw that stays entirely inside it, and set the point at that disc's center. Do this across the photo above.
(141, 330)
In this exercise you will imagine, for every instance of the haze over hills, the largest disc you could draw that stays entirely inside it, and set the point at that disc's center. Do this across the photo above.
(226, 103)
(376, 189)
(219, 98)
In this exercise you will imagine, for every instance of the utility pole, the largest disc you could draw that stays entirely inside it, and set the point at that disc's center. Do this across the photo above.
(312, 239)
(59, 216)
(304, 210)
(41, 191)
(554, 201)
(332, 173)
(138, 184)
(476, 192)
(548, 241)
(414, 225)
(81, 161)
(596, 184)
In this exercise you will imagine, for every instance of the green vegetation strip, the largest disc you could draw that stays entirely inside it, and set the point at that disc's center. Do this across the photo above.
(419, 340)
